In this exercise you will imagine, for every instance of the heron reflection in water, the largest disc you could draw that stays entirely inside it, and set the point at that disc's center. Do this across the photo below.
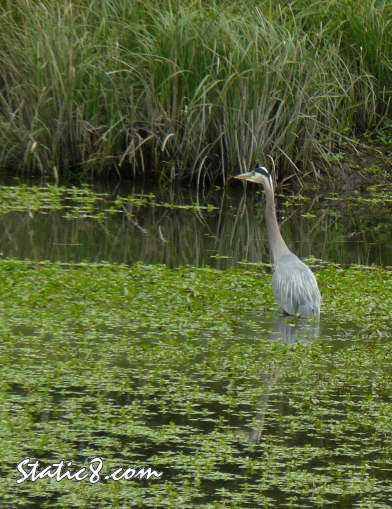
(293, 283)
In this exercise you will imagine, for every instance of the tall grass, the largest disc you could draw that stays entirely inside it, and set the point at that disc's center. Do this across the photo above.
(188, 89)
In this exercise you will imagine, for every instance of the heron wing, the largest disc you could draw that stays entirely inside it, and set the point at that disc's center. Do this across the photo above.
(295, 287)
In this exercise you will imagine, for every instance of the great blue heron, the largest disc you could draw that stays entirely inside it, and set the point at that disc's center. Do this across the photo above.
(293, 283)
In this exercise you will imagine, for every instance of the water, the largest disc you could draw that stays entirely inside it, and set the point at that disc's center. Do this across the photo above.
(230, 417)
(340, 231)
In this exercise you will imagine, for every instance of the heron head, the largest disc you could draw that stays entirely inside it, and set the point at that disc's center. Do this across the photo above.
(259, 175)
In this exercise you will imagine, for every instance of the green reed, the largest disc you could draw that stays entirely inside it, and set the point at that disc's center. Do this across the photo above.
(186, 89)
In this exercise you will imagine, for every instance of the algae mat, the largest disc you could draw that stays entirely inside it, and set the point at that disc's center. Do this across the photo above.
(108, 371)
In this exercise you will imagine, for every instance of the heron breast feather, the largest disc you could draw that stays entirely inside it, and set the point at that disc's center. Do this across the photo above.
(295, 287)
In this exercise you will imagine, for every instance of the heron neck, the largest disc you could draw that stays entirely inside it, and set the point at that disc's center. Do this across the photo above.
(277, 244)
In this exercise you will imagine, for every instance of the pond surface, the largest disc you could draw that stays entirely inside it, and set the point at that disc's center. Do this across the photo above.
(179, 227)
(193, 373)
(191, 370)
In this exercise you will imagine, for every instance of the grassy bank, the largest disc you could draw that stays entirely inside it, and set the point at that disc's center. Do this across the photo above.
(185, 88)
(175, 369)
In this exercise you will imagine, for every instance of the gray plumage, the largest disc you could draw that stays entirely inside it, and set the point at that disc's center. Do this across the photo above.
(293, 283)
(295, 287)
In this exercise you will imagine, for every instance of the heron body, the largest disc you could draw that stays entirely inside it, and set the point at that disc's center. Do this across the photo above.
(293, 283)
(295, 287)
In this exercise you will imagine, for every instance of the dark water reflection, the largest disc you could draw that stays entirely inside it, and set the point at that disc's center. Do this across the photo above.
(338, 231)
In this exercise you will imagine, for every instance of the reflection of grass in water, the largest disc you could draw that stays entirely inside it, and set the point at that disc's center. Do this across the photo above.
(162, 227)
(78, 201)
(148, 366)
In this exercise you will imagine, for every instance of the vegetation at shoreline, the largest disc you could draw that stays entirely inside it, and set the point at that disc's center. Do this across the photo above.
(148, 366)
(188, 89)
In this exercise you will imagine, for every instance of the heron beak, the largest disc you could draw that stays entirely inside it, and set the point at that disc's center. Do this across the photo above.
(244, 176)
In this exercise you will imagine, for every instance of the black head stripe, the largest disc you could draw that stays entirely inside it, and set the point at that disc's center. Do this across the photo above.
(263, 171)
